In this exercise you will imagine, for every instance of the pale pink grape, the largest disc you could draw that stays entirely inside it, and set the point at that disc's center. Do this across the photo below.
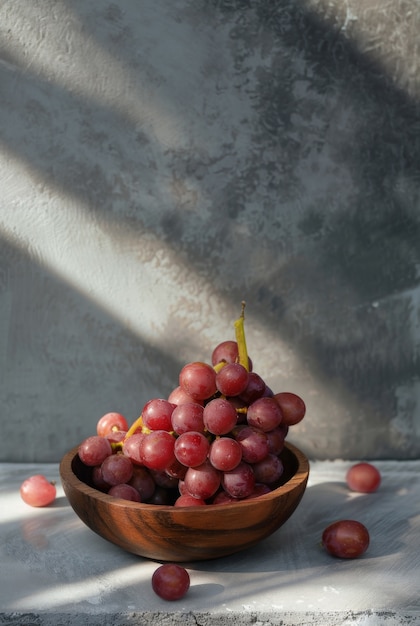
(38, 491)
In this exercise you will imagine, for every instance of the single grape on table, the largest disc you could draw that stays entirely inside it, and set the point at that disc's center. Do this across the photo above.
(363, 477)
(346, 539)
(170, 581)
(38, 491)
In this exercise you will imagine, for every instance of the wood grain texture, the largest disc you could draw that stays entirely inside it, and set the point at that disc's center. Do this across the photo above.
(168, 533)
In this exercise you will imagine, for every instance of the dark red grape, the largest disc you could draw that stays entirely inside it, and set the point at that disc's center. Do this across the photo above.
(276, 439)
(94, 450)
(346, 539)
(255, 388)
(161, 496)
(269, 470)
(222, 497)
(260, 489)
(117, 469)
(292, 407)
(143, 481)
(239, 482)
(163, 479)
(176, 470)
(264, 413)
(125, 492)
(97, 479)
(254, 443)
(170, 581)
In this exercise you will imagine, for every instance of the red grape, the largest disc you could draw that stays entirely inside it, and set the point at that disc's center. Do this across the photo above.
(346, 539)
(225, 453)
(264, 413)
(276, 439)
(97, 479)
(188, 500)
(226, 351)
(191, 448)
(239, 482)
(116, 469)
(170, 581)
(202, 481)
(157, 414)
(260, 489)
(219, 416)
(255, 388)
(176, 469)
(292, 407)
(181, 486)
(125, 492)
(188, 416)
(178, 397)
(222, 497)
(157, 449)
(162, 479)
(254, 443)
(143, 482)
(131, 448)
(38, 491)
(94, 450)
(269, 470)
(363, 477)
(232, 379)
(109, 422)
(198, 380)
(115, 436)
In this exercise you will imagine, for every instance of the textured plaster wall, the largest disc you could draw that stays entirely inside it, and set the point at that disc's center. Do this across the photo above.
(162, 160)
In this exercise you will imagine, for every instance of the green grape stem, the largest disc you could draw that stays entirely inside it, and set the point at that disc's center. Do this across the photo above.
(135, 426)
(241, 340)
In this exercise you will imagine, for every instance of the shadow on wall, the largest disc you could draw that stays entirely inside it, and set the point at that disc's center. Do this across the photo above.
(292, 182)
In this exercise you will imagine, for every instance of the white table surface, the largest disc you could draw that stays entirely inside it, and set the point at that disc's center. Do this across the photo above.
(54, 570)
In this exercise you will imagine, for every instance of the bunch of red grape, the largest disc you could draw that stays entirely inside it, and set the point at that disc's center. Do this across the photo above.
(217, 438)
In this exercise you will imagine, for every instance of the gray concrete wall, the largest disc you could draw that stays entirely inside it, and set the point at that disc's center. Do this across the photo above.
(162, 160)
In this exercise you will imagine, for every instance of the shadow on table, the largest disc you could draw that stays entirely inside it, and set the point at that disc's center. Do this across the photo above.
(296, 546)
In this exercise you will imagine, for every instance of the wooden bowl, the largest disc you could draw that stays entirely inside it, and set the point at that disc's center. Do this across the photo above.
(168, 533)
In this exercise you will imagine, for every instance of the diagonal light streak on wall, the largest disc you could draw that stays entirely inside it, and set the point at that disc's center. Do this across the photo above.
(141, 291)
(56, 47)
